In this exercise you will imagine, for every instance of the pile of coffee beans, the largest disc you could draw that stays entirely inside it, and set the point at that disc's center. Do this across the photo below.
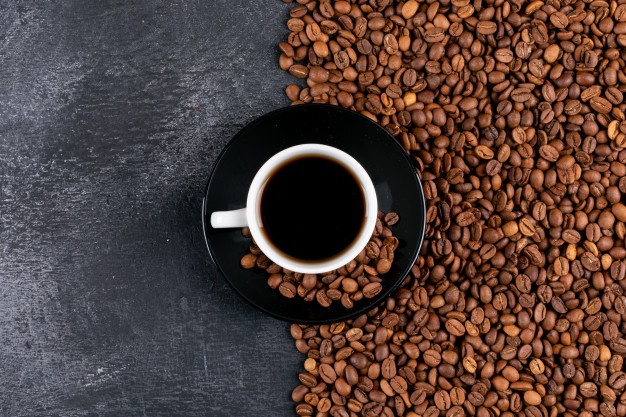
(360, 278)
(513, 112)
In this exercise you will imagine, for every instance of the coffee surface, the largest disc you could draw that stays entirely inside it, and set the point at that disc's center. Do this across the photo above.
(312, 208)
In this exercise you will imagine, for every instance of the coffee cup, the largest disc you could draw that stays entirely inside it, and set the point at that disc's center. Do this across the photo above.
(310, 208)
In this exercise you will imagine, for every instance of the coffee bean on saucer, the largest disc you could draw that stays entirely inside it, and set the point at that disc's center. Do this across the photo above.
(391, 218)
(249, 261)
(360, 278)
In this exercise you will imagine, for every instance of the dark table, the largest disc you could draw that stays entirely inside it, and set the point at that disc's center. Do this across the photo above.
(112, 114)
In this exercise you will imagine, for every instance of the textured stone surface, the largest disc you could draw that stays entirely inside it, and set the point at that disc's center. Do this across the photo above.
(111, 117)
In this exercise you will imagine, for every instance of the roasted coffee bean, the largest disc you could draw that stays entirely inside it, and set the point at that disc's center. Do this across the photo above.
(327, 373)
(347, 290)
(469, 364)
(299, 71)
(442, 400)
(601, 105)
(287, 289)
(434, 35)
(248, 261)
(391, 218)
(431, 357)
(455, 327)
(513, 115)
(521, 95)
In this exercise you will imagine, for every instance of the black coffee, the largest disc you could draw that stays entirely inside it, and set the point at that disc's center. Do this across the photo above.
(312, 208)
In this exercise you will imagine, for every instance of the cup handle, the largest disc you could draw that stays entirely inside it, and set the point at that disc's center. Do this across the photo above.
(226, 219)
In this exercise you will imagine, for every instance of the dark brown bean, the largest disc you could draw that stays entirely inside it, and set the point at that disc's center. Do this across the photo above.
(512, 115)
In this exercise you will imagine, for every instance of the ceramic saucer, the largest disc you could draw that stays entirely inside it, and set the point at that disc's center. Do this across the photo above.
(398, 189)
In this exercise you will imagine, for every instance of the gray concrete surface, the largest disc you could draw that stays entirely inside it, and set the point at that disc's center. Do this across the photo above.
(111, 116)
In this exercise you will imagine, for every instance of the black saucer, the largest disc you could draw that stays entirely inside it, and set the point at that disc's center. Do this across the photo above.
(398, 189)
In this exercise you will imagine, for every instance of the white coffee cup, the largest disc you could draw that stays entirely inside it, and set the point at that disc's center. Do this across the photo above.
(250, 215)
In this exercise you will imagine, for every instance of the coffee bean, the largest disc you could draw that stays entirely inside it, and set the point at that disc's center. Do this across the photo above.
(442, 400)
(322, 298)
(248, 261)
(618, 270)
(601, 105)
(326, 289)
(590, 92)
(526, 227)
(619, 211)
(618, 346)
(409, 78)
(536, 366)
(513, 117)
(388, 368)
(549, 153)
(617, 380)
(484, 152)
(299, 71)
(521, 95)
(493, 167)
(457, 396)
(559, 20)
(499, 301)
(476, 398)
(434, 35)
(307, 379)
(571, 236)
(607, 409)
(615, 363)
(532, 398)
(342, 387)
(304, 410)
(391, 218)
(551, 53)
(295, 24)
(486, 27)
(469, 364)
(372, 289)
(287, 289)
(468, 103)
(465, 218)
(398, 384)
(588, 389)
(594, 322)
(327, 373)
(614, 96)
(432, 357)
(590, 261)
(613, 129)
